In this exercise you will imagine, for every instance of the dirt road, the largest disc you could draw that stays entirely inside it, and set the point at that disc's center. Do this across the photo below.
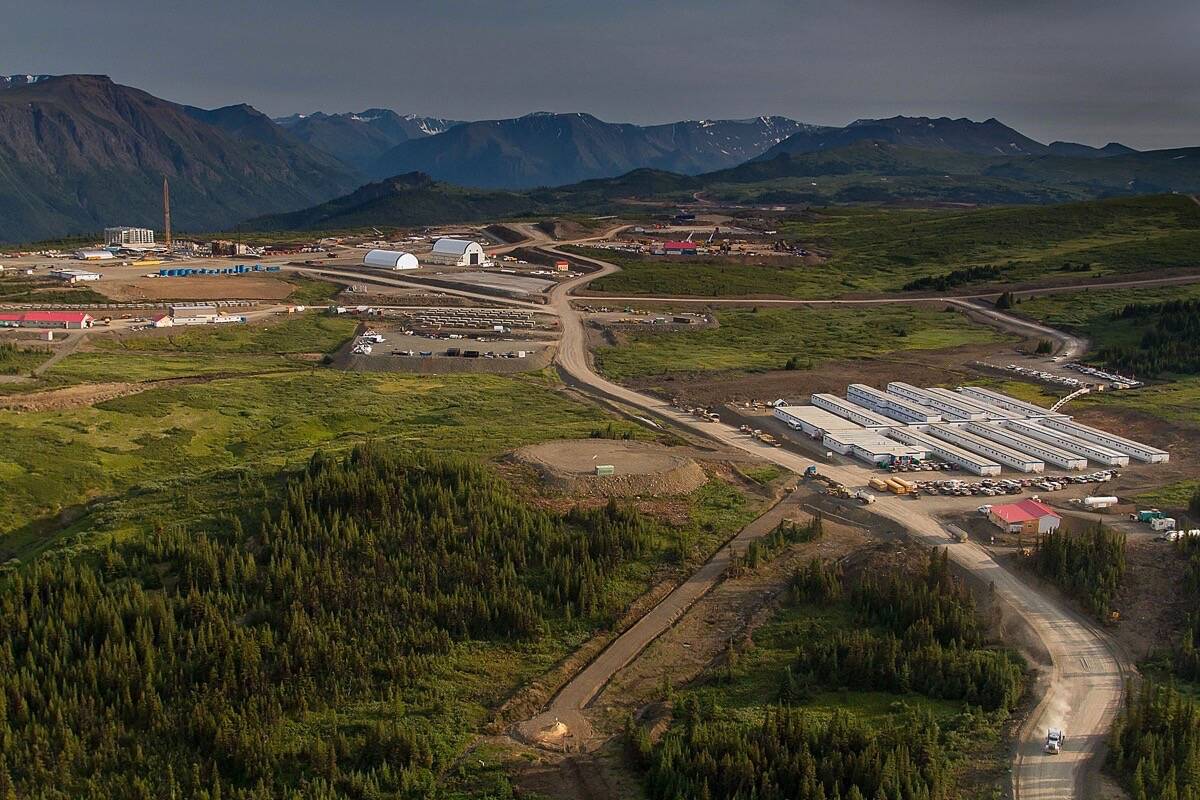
(1068, 348)
(1171, 280)
(568, 704)
(1084, 686)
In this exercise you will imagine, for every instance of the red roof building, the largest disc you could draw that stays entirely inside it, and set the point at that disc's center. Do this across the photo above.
(679, 247)
(46, 319)
(1026, 516)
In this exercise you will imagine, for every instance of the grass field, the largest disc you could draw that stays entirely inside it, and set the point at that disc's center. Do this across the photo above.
(54, 461)
(312, 292)
(874, 249)
(304, 333)
(16, 360)
(768, 338)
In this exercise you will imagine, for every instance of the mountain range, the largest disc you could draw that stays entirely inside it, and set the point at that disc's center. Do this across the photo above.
(359, 139)
(544, 149)
(78, 152)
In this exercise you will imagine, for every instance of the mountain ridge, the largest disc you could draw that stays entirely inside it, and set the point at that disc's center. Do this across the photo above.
(79, 152)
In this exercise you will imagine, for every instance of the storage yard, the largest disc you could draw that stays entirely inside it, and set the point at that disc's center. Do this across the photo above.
(978, 430)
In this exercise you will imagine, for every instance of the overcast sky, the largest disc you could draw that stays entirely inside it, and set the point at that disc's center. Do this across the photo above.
(1093, 71)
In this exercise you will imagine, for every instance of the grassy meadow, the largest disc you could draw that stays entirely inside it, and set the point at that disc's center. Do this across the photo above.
(767, 338)
(881, 249)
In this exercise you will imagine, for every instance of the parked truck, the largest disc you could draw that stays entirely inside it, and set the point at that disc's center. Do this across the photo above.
(864, 497)
(1097, 502)
(1162, 524)
(1146, 515)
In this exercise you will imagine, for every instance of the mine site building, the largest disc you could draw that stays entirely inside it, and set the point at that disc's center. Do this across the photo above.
(94, 255)
(123, 236)
(890, 405)
(74, 275)
(390, 259)
(192, 315)
(1025, 517)
(457, 253)
(46, 319)
(679, 248)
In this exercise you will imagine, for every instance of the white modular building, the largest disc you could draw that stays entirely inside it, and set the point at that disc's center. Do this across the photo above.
(390, 259)
(457, 253)
(1092, 451)
(989, 411)
(1043, 450)
(950, 408)
(969, 461)
(1140, 451)
(871, 446)
(1006, 402)
(1022, 462)
(192, 315)
(74, 275)
(812, 421)
(890, 405)
(852, 411)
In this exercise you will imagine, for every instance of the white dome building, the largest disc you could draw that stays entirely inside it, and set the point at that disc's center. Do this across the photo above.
(390, 259)
(457, 253)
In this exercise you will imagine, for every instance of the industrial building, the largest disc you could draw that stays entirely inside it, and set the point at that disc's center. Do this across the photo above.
(123, 236)
(890, 405)
(950, 408)
(846, 437)
(1024, 517)
(814, 422)
(192, 315)
(852, 411)
(1063, 441)
(990, 411)
(390, 259)
(958, 456)
(1022, 462)
(46, 319)
(1008, 403)
(979, 430)
(871, 446)
(1046, 452)
(225, 247)
(679, 248)
(1138, 450)
(94, 255)
(457, 253)
(74, 275)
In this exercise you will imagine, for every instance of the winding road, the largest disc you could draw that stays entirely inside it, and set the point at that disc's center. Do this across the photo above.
(1082, 688)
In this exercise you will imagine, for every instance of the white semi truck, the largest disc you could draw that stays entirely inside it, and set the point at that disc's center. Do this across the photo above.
(1054, 741)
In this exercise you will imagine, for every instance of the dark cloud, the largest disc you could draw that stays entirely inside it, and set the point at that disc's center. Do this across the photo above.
(1085, 71)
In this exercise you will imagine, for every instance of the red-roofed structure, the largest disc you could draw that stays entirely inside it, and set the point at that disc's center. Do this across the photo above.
(1026, 516)
(679, 248)
(45, 319)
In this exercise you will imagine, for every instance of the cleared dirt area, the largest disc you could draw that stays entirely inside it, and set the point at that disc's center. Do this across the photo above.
(216, 287)
(639, 468)
(69, 397)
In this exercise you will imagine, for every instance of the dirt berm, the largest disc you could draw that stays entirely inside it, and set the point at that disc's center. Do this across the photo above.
(639, 468)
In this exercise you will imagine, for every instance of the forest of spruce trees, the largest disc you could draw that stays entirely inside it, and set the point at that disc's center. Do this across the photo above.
(918, 634)
(184, 665)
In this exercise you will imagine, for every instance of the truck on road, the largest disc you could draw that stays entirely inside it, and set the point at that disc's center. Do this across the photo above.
(1054, 741)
